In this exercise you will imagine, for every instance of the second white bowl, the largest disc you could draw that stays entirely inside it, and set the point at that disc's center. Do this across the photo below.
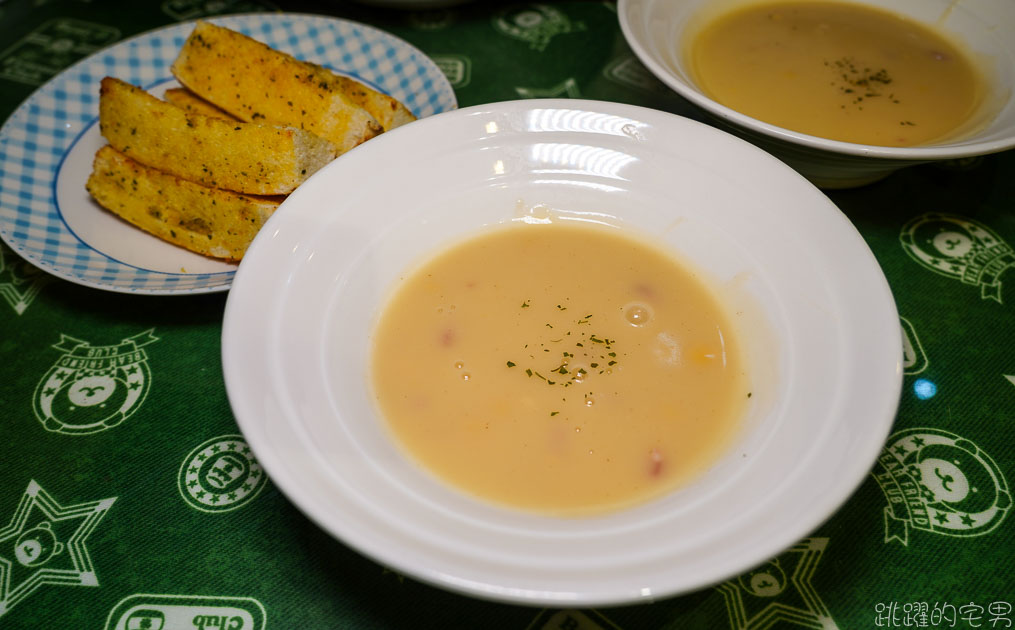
(657, 31)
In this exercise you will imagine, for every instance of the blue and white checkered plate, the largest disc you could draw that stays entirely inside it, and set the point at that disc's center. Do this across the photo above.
(47, 147)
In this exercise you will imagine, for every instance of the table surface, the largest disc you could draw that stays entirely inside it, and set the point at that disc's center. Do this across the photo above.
(117, 545)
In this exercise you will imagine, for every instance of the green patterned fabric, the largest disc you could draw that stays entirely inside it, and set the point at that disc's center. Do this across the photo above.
(102, 524)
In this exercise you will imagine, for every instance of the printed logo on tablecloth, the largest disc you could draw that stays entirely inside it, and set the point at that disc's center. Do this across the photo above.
(44, 544)
(626, 70)
(566, 88)
(221, 475)
(20, 281)
(44, 52)
(144, 611)
(93, 388)
(914, 360)
(536, 24)
(181, 10)
(960, 248)
(571, 620)
(938, 482)
(457, 68)
(779, 592)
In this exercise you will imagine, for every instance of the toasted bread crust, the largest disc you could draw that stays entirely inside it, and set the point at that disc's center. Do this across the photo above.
(216, 223)
(389, 112)
(194, 104)
(243, 157)
(254, 82)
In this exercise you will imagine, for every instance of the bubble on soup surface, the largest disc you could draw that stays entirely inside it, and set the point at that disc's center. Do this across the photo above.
(637, 314)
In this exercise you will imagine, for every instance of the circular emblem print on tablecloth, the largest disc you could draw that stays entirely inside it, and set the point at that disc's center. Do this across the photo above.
(93, 388)
(960, 248)
(938, 482)
(536, 24)
(221, 475)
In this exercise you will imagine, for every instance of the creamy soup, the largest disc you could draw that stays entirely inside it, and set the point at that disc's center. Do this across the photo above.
(839, 71)
(558, 368)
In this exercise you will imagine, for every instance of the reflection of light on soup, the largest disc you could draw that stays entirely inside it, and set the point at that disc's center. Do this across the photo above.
(839, 71)
(558, 368)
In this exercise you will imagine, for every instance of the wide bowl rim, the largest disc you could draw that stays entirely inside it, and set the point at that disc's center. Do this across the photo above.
(254, 294)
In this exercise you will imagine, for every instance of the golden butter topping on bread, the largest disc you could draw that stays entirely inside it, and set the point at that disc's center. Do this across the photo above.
(243, 157)
(194, 104)
(205, 167)
(209, 221)
(255, 83)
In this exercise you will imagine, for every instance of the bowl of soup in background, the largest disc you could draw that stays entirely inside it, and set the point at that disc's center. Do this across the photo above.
(819, 345)
(664, 35)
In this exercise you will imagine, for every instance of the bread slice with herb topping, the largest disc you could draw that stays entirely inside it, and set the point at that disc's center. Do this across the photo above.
(389, 112)
(194, 104)
(254, 82)
(251, 158)
(209, 221)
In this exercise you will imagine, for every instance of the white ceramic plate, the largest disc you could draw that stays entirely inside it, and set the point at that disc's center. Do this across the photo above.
(47, 146)
(823, 345)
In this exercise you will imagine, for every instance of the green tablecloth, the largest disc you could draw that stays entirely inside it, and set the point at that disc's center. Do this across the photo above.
(100, 531)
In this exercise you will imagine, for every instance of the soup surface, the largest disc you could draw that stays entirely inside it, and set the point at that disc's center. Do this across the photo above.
(839, 71)
(558, 368)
